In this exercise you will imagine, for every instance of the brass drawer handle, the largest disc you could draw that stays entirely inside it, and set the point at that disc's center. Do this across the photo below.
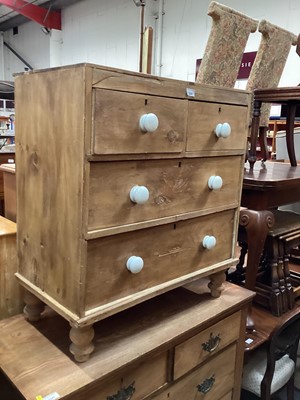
(212, 344)
(123, 393)
(206, 385)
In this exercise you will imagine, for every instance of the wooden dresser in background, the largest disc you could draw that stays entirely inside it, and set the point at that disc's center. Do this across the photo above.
(128, 186)
(4, 159)
(8, 173)
(11, 296)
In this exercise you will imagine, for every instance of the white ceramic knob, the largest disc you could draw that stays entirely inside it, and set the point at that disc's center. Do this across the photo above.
(215, 182)
(148, 122)
(139, 194)
(223, 130)
(209, 242)
(135, 264)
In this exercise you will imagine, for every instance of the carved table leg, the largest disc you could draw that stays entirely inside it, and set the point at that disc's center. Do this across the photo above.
(82, 345)
(257, 225)
(254, 133)
(282, 285)
(262, 138)
(289, 287)
(275, 278)
(290, 123)
(240, 269)
(275, 297)
(216, 283)
(33, 308)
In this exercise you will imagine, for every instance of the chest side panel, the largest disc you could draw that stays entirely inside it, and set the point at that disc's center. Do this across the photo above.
(50, 147)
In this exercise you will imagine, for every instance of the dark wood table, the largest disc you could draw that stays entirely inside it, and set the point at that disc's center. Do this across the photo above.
(265, 324)
(265, 187)
(282, 95)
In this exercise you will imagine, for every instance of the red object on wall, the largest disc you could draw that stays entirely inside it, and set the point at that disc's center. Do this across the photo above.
(245, 67)
(43, 16)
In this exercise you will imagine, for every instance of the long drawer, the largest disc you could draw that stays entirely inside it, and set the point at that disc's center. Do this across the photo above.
(210, 381)
(174, 187)
(168, 252)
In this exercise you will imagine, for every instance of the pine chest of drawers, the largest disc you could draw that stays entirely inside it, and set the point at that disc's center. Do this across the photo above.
(128, 186)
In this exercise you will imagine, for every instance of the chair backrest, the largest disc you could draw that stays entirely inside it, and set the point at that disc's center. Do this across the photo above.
(272, 365)
(283, 341)
(225, 46)
(270, 60)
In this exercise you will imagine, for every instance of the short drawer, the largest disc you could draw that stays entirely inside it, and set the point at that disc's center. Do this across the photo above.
(202, 121)
(169, 252)
(207, 343)
(175, 187)
(211, 381)
(116, 127)
(134, 383)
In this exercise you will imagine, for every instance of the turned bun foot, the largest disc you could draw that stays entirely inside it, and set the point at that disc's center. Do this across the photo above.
(216, 283)
(81, 346)
(33, 308)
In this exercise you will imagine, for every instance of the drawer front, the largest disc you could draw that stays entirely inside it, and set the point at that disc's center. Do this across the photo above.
(211, 381)
(175, 187)
(207, 343)
(204, 117)
(134, 383)
(227, 396)
(116, 127)
(169, 251)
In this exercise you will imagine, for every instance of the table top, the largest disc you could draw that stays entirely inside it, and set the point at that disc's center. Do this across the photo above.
(278, 95)
(265, 324)
(276, 175)
(270, 185)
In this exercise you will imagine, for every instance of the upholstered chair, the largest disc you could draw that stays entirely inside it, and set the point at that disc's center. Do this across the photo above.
(266, 72)
(272, 367)
(225, 46)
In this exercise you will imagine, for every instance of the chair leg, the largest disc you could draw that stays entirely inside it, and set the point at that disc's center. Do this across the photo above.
(265, 392)
(291, 388)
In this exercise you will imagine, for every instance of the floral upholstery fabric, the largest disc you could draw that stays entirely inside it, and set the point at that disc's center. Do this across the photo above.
(270, 60)
(225, 46)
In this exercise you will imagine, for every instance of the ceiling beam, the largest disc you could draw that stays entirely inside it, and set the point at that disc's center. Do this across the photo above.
(43, 16)
(20, 19)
